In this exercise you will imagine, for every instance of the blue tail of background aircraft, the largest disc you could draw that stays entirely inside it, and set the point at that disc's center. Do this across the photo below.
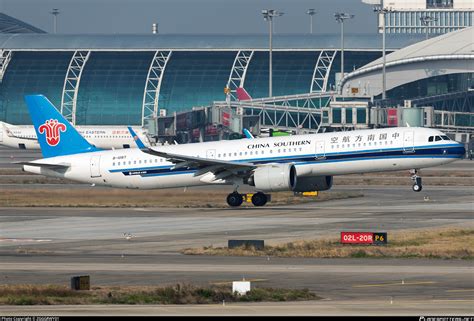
(56, 136)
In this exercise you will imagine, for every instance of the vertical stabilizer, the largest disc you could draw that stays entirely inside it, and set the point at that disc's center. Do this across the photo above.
(56, 136)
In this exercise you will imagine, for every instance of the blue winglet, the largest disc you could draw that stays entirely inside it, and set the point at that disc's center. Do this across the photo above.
(137, 139)
(56, 136)
(247, 133)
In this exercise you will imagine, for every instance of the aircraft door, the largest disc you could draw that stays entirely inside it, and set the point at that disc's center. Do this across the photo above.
(408, 142)
(211, 154)
(320, 150)
(95, 166)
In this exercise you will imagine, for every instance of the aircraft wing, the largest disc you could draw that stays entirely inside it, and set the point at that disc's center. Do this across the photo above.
(45, 165)
(220, 168)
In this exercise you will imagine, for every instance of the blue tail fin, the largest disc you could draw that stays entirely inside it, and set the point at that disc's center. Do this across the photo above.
(56, 136)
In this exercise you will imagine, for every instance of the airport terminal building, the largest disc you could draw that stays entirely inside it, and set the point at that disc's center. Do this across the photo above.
(111, 71)
(130, 79)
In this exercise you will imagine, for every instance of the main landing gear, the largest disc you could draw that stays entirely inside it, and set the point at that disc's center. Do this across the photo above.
(236, 199)
(417, 186)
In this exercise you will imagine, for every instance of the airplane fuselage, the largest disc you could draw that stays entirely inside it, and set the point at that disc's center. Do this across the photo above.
(104, 137)
(327, 154)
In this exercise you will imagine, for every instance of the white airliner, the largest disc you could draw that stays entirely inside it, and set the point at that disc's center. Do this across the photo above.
(106, 137)
(289, 163)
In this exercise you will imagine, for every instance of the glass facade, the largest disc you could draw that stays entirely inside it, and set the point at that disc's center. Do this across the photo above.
(443, 21)
(439, 4)
(112, 84)
(433, 86)
(111, 88)
(195, 79)
(31, 73)
(292, 73)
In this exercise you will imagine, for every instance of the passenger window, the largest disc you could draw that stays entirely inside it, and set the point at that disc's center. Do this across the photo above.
(437, 138)
(430, 139)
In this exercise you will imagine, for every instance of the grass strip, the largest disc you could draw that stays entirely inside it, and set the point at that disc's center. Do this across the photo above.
(446, 243)
(179, 294)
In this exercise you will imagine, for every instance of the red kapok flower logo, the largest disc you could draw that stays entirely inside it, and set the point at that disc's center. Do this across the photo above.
(52, 128)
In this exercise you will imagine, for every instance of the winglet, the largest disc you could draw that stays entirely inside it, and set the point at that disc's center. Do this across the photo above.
(247, 133)
(137, 139)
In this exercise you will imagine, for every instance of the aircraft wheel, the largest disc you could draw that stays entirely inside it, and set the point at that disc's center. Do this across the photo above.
(259, 199)
(417, 188)
(234, 199)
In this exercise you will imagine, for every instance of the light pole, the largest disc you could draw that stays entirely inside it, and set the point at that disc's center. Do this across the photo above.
(55, 14)
(426, 21)
(340, 17)
(268, 15)
(311, 13)
(382, 12)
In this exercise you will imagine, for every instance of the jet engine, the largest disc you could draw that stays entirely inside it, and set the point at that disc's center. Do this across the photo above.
(274, 177)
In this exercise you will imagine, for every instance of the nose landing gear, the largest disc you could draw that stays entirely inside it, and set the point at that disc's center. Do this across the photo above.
(417, 186)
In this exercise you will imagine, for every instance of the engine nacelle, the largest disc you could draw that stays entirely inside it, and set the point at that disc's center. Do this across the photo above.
(274, 177)
(313, 183)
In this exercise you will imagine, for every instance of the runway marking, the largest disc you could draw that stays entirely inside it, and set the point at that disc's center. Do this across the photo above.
(12, 240)
(230, 282)
(460, 290)
(392, 284)
(454, 300)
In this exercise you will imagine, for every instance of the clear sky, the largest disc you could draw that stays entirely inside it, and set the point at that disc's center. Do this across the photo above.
(189, 16)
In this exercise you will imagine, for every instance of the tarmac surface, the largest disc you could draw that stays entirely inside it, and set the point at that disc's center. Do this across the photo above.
(50, 245)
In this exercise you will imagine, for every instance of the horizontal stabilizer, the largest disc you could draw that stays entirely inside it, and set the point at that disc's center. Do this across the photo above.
(44, 165)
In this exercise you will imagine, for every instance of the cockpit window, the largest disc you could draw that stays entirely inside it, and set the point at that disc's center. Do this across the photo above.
(438, 138)
(430, 139)
(444, 137)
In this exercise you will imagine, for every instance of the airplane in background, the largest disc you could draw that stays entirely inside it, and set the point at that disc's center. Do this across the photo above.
(105, 137)
(288, 163)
